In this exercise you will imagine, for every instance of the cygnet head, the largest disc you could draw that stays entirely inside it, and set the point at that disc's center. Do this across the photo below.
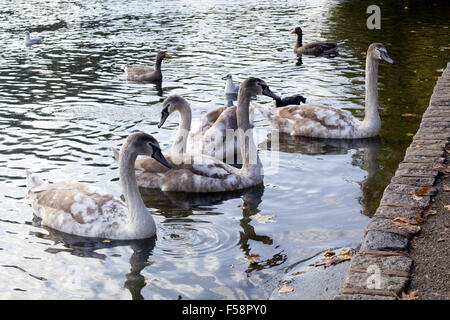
(255, 86)
(378, 51)
(170, 105)
(142, 143)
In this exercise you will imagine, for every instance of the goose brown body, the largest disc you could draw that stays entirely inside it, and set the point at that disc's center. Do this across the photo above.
(142, 73)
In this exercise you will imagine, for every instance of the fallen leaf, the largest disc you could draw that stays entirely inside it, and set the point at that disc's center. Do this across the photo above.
(331, 262)
(328, 254)
(263, 218)
(422, 191)
(441, 168)
(409, 115)
(409, 296)
(429, 213)
(285, 289)
(410, 134)
(253, 257)
(416, 197)
(364, 53)
(419, 220)
(344, 254)
(406, 223)
(150, 280)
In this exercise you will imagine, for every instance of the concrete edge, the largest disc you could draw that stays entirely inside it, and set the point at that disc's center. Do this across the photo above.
(382, 268)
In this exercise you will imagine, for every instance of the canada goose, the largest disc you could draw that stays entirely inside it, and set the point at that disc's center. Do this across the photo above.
(140, 73)
(202, 173)
(30, 41)
(83, 210)
(288, 101)
(230, 87)
(313, 48)
(209, 135)
(319, 121)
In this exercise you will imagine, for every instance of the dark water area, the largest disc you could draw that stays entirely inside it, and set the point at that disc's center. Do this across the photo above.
(65, 103)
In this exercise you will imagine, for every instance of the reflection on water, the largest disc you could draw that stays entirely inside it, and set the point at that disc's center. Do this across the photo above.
(85, 247)
(365, 157)
(65, 103)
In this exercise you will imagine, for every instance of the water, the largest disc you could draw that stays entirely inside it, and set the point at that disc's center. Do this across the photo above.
(64, 103)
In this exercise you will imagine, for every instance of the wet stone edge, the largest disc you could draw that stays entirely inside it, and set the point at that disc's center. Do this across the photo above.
(382, 267)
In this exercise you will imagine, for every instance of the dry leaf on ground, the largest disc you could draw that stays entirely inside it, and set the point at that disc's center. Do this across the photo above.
(416, 197)
(429, 213)
(409, 296)
(406, 223)
(409, 115)
(285, 289)
(441, 168)
(422, 191)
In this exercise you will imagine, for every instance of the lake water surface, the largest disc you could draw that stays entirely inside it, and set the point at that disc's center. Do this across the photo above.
(64, 103)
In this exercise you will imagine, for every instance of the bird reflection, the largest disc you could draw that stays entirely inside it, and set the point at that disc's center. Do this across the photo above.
(159, 89)
(88, 247)
(184, 203)
(180, 204)
(365, 157)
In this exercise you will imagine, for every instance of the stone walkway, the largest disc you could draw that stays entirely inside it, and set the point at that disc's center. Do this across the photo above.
(382, 268)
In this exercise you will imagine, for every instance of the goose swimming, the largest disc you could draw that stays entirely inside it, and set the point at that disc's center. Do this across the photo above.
(202, 173)
(320, 121)
(313, 48)
(141, 73)
(84, 210)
